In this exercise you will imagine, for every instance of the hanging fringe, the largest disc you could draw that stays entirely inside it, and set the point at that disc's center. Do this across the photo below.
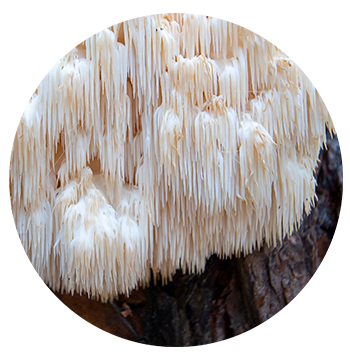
(158, 142)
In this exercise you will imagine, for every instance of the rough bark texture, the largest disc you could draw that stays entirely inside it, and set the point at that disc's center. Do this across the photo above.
(233, 295)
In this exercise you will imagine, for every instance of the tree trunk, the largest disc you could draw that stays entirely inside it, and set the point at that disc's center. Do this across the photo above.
(231, 296)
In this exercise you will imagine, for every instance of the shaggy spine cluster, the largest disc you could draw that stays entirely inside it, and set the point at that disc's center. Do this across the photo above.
(158, 142)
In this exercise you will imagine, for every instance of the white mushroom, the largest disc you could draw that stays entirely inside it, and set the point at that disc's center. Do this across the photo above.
(158, 142)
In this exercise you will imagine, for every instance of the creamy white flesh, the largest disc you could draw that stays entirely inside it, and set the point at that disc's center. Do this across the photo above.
(158, 142)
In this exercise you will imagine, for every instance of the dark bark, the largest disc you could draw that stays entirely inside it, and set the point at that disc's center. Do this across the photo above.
(231, 296)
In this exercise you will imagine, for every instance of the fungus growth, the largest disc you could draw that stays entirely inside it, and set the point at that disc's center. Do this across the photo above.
(158, 142)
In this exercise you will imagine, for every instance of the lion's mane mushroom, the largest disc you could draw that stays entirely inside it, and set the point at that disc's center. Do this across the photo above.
(158, 142)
